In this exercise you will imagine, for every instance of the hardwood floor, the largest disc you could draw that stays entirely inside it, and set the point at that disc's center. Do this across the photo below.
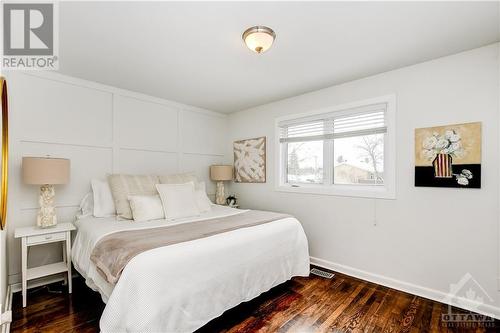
(57, 312)
(314, 304)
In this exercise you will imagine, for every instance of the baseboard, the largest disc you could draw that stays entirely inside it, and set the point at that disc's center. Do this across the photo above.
(432, 294)
(13, 279)
(8, 307)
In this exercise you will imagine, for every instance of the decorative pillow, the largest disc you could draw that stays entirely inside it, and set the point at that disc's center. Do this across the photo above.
(104, 205)
(202, 200)
(179, 178)
(146, 207)
(124, 185)
(178, 200)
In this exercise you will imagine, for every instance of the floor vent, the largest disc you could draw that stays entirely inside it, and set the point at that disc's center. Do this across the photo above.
(319, 272)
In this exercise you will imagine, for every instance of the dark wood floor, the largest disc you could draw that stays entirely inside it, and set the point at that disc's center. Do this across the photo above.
(314, 304)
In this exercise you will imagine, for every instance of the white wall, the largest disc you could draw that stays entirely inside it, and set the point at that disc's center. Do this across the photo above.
(102, 130)
(427, 238)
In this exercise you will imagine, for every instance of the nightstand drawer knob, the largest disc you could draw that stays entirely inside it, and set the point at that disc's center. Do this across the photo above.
(48, 237)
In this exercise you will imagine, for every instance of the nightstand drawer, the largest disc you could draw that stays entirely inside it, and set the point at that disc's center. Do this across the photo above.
(47, 238)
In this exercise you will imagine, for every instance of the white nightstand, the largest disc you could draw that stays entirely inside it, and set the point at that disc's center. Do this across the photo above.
(35, 236)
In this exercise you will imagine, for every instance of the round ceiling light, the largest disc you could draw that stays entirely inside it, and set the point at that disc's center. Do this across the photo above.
(259, 38)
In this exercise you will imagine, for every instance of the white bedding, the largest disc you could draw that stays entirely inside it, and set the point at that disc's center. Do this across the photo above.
(181, 287)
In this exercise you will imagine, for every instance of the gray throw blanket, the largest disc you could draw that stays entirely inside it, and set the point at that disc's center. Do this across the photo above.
(112, 253)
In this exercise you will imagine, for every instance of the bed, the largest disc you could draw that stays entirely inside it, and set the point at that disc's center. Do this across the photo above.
(181, 287)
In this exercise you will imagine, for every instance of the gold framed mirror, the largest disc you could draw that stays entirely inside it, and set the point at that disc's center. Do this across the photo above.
(5, 153)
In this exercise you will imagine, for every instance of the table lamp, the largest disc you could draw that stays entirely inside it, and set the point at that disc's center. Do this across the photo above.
(46, 172)
(220, 173)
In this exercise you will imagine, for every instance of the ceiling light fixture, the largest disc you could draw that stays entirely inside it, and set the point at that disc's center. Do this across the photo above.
(259, 38)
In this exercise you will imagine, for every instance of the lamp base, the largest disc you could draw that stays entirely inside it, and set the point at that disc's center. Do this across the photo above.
(46, 217)
(220, 196)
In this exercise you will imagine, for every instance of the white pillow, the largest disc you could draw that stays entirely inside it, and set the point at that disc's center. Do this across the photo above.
(146, 207)
(202, 200)
(178, 200)
(104, 205)
(86, 206)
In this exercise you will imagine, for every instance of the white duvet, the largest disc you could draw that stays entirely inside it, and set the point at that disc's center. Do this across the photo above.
(181, 287)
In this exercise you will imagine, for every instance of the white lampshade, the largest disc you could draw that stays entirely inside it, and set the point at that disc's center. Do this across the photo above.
(45, 170)
(259, 38)
(221, 172)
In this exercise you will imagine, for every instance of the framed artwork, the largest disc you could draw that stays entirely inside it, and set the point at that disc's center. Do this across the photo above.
(250, 160)
(448, 156)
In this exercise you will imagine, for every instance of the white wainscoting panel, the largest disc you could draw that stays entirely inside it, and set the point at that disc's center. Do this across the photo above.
(102, 130)
(132, 161)
(78, 115)
(202, 133)
(146, 125)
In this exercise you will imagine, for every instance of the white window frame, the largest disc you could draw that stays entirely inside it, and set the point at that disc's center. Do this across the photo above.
(385, 191)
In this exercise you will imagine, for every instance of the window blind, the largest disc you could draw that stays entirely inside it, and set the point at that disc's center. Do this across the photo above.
(327, 126)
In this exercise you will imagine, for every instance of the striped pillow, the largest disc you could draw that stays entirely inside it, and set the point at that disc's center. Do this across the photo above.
(122, 186)
(179, 178)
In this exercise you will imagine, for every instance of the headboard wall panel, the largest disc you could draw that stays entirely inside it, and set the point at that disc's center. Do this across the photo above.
(54, 111)
(102, 129)
(158, 162)
(146, 125)
(202, 133)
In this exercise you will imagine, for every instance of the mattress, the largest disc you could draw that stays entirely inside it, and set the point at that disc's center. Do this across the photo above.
(180, 287)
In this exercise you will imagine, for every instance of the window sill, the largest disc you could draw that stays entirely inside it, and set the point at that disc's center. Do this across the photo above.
(358, 191)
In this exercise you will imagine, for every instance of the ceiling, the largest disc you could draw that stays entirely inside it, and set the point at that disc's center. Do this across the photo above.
(192, 52)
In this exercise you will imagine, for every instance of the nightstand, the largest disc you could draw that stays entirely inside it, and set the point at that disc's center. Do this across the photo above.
(31, 236)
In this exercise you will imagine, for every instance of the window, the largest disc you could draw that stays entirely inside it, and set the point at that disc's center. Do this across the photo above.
(305, 162)
(346, 150)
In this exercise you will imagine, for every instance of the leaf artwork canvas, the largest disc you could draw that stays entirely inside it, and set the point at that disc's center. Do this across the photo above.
(448, 156)
(250, 160)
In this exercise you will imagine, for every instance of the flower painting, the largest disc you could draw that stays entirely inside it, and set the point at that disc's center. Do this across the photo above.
(448, 156)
